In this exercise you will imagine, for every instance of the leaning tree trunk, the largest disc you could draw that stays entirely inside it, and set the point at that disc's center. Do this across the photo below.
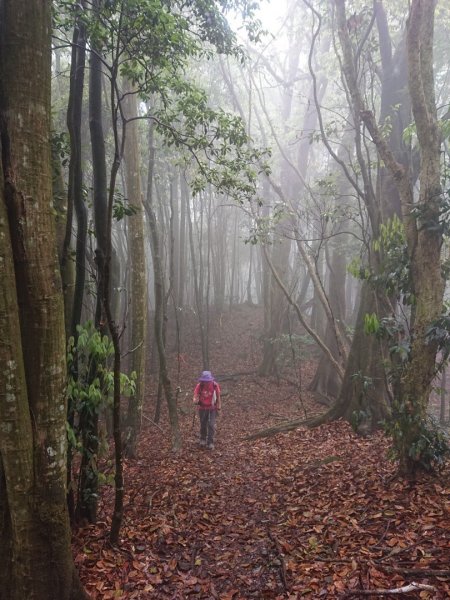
(36, 560)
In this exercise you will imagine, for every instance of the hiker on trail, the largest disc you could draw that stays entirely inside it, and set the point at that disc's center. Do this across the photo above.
(207, 398)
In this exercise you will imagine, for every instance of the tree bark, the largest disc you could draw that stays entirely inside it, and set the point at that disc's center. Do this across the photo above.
(75, 189)
(33, 446)
(138, 272)
(423, 241)
(159, 300)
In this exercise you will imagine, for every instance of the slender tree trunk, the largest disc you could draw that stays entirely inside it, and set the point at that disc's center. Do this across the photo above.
(74, 116)
(87, 500)
(117, 516)
(138, 273)
(250, 276)
(198, 289)
(159, 300)
(184, 194)
(443, 392)
(75, 202)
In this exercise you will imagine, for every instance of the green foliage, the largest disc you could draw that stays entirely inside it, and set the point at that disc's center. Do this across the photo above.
(291, 348)
(393, 272)
(410, 133)
(61, 146)
(362, 416)
(371, 324)
(427, 447)
(215, 143)
(439, 334)
(91, 380)
(263, 226)
(434, 216)
(358, 418)
(412, 435)
(357, 269)
(152, 43)
(122, 208)
(365, 381)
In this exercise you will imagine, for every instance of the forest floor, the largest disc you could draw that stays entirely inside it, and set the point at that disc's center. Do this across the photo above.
(307, 514)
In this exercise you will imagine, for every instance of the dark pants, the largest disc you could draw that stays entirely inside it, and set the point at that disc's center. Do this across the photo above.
(207, 425)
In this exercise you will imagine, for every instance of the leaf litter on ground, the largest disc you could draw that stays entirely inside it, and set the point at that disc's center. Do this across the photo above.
(305, 514)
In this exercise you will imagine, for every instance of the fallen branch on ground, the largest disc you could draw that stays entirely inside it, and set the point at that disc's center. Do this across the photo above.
(153, 423)
(233, 376)
(282, 428)
(412, 587)
(275, 416)
(283, 574)
(444, 573)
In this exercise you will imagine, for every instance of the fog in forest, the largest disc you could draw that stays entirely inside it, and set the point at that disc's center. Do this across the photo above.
(224, 319)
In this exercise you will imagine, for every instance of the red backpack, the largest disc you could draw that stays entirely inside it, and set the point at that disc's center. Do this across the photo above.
(207, 394)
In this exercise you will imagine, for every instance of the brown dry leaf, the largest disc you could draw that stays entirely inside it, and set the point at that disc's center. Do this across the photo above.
(219, 522)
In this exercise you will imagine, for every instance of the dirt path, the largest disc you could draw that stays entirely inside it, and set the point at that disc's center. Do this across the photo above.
(309, 514)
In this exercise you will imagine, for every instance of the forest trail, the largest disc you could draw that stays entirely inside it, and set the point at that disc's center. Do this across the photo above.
(307, 514)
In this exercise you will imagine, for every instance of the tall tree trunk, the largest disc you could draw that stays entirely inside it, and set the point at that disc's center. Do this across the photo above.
(423, 242)
(75, 202)
(250, 277)
(184, 252)
(198, 288)
(364, 392)
(138, 272)
(87, 499)
(159, 287)
(35, 538)
(75, 190)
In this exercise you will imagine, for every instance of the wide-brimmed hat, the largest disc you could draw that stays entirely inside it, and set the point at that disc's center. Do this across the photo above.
(206, 376)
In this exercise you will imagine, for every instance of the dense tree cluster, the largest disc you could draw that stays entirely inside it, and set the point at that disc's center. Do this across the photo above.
(155, 165)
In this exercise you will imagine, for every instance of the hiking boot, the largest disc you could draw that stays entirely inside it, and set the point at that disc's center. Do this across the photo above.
(210, 446)
(202, 443)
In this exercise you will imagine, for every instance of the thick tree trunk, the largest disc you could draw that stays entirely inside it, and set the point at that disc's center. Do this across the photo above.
(364, 395)
(423, 241)
(425, 248)
(36, 559)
